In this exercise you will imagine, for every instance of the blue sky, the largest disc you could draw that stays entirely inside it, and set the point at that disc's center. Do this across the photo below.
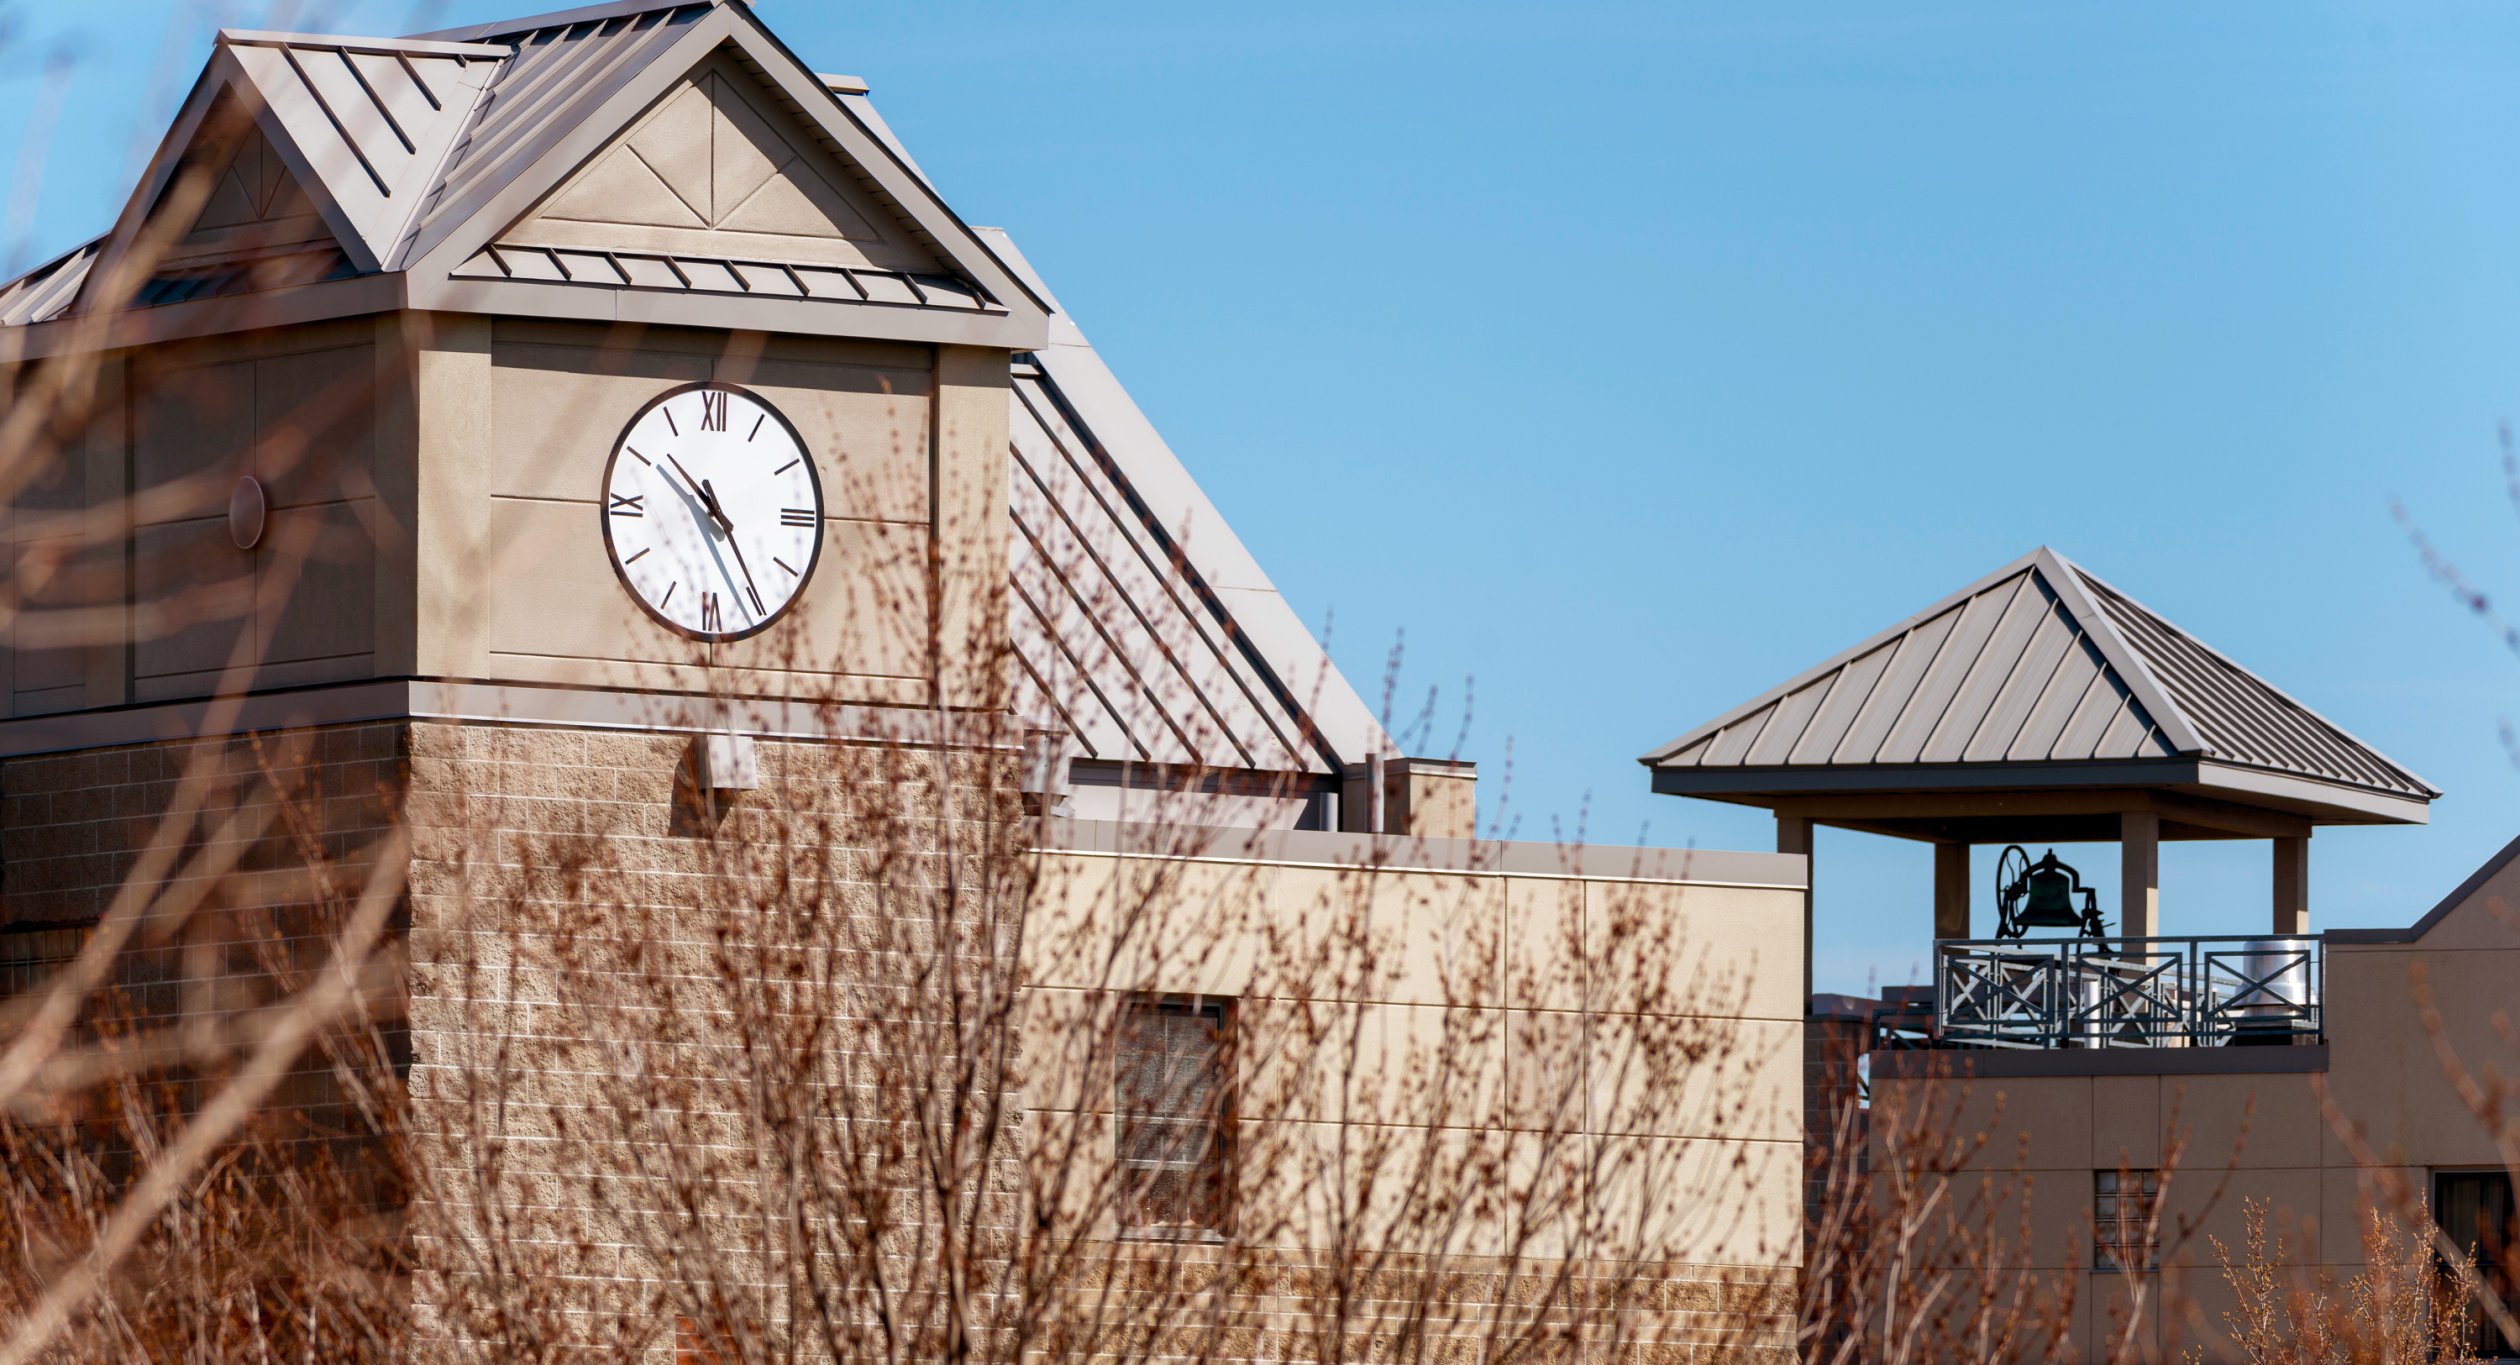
(1632, 358)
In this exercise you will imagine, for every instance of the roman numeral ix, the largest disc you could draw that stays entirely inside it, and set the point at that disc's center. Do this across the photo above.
(627, 505)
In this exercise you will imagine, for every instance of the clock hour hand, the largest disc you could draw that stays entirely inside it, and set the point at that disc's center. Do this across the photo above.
(707, 495)
(737, 546)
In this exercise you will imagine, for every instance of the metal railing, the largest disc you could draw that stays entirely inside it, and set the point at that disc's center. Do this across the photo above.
(2152, 992)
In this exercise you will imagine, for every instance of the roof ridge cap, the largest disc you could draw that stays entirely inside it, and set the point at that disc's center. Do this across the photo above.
(2121, 653)
(2254, 676)
(559, 18)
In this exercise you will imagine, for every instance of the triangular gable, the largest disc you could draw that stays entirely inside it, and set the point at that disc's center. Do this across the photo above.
(577, 92)
(715, 169)
(305, 132)
(251, 203)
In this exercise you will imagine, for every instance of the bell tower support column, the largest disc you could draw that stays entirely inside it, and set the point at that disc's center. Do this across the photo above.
(2292, 886)
(1951, 891)
(2139, 862)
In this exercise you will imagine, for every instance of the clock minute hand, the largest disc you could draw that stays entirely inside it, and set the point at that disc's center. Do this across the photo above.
(733, 544)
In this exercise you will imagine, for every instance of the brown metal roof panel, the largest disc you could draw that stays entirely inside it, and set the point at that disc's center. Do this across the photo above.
(1099, 620)
(557, 77)
(769, 280)
(2130, 734)
(2099, 708)
(2078, 669)
(885, 287)
(2033, 676)
(2247, 719)
(1737, 738)
(648, 272)
(821, 283)
(1694, 754)
(1778, 740)
(1848, 688)
(1997, 661)
(1942, 679)
(591, 267)
(1218, 700)
(1889, 698)
(531, 263)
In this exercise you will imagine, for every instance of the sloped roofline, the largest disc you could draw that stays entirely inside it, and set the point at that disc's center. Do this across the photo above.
(558, 18)
(2235, 666)
(486, 210)
(2074, 588)
(1273, 637)
(221, 75)
(2148, 692)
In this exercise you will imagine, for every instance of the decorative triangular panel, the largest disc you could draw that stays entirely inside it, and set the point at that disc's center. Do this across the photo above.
(253, 202)
(716, 169)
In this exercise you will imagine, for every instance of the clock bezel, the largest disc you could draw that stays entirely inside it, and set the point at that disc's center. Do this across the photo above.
(612, 552)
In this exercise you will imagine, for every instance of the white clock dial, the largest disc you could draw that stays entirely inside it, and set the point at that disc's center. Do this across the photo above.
(713, 511)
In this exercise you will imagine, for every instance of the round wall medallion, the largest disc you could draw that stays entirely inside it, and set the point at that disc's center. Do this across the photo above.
(246, 511)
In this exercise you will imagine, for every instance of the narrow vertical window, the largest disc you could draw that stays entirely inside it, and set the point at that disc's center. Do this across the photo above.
(1175, 1087)
(2474, 1210)
(2124, 1233)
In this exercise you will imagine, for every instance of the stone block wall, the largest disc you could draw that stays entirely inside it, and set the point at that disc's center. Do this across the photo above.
(283, 836)
(628, 995)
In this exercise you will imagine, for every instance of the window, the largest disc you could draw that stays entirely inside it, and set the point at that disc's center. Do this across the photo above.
(2124, 1233)
(2473, 1209)
(1175, 1086)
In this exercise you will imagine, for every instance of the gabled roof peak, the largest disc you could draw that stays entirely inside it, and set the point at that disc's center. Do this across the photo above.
(2038, 664)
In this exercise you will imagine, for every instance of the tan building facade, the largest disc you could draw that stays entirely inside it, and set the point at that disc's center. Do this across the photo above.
(797, 953)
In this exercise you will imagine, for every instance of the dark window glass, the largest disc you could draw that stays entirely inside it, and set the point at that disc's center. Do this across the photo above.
(2473, 1209)
(2124, 1233)
(1175, 1102)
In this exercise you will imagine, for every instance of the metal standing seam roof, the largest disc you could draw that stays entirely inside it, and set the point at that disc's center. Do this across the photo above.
(1142, 625)
(406, 143)
(2039, 662)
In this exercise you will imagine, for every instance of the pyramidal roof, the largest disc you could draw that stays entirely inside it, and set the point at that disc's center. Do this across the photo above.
(2038, 664)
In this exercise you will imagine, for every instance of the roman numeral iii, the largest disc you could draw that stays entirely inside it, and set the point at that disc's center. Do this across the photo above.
(796, 516)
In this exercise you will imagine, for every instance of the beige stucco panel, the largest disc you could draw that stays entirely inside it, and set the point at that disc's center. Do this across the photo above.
(553, 593)
(1407, 937)
(2043, 1122)
(1733, 945)
(2126, 1122)
(862, 412)
(1544, 943)
(2387, 1072)
(2257, 1120)
(315, 584)
(866, 423)
(1331, 1062)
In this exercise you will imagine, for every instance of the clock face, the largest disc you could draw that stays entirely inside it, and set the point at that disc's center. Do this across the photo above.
(713, 511)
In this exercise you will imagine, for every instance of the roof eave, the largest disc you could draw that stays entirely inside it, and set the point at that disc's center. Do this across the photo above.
(2327, 803)
(79, 333)
(732, 312)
